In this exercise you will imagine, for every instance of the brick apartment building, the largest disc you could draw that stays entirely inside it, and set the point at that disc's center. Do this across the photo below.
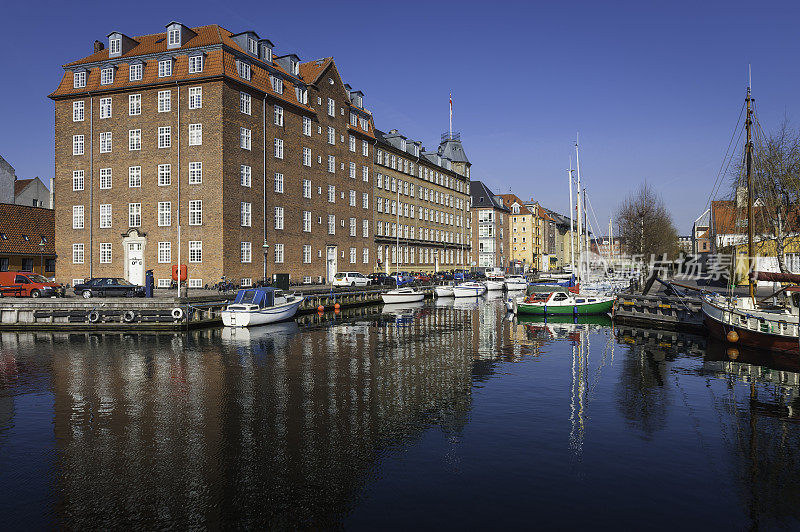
(421, 204)
(202, 147)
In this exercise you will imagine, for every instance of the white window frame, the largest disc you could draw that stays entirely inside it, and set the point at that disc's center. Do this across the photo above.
(134, 104)
(245, 103)
(134, 139)
(106, 76)
(134, 177)
(164, 175)
(278, 148)
(246, 252)
(195, 134)
(135, 71)
(78, 144)
(278, 116)
(164, 101)
(195, 97)
(77, 254)
(306, 221)
(306, 126)
(106, 215)
(245, 175)
(195, 64)
(195, 173)
(164, 253)
(279, 254)
(278, 187)
(164, 68)
(245, 138)
(307, 188)
(78, 80)
(306, 156)
(106, 250)
(78, 180)
(106, 142)
(134, 214)
(105, 108)
(195, 251)
(78, 111)
(195, 212)
(78, 218)
(106, 178)
(164, 213)
(246, 214)
(278, 212)
(165, 137)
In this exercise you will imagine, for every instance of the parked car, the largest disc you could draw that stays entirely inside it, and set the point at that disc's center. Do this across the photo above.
(439, 277)
(461, 275)
(381, 279)
(402, 278)
(350, 279)
(422, 277)
(108, 286)
(28, 284)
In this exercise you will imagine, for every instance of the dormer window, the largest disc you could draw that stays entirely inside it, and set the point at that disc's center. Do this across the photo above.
(243, 69)
(403, 144)
(135, 73)
(79, 79)
(277, 84)
(174, 38)
(302, 95)
(295, 67)
(106, 76)
(115, 46)
(195, 64)
(164, 68)
(252, 46)
(268, 54)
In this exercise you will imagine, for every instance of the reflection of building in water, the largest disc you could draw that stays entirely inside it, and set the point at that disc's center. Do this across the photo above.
(277, 429)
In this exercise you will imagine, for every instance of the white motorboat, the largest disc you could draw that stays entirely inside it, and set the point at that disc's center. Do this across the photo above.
(469, 289)
(258, 306)
(443, 291)
(403, 295)
(493, 285)
(515, 282)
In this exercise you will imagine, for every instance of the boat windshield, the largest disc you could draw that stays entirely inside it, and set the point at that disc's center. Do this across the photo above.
(255, 297)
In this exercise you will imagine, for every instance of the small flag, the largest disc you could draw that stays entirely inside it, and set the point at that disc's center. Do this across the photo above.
(451, 112)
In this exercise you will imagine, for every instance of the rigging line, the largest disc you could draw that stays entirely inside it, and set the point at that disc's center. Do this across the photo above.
(725, 157)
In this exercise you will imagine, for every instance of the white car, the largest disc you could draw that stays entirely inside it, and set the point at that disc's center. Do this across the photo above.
(350, 279)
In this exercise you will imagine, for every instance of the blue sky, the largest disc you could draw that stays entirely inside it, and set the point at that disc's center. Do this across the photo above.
(654, 88)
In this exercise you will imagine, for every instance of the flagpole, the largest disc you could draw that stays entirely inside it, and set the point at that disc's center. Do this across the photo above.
(451, 114)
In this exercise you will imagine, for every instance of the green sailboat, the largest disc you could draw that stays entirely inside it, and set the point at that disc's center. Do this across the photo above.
(562, 303)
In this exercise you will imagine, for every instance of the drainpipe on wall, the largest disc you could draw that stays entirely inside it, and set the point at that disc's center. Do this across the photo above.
(179, 193)
(91, 186)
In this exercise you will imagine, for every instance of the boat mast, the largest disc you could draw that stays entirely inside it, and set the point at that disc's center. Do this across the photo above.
(571, 224)
(749, 164)
(586, 234)
(580, 218)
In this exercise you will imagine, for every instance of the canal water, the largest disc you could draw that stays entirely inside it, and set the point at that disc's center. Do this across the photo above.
(445, 415)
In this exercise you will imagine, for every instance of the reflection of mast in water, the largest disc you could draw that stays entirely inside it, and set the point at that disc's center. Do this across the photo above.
(578, 394)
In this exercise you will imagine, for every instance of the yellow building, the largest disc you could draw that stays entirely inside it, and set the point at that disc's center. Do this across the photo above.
(525, 238)
(766, 258)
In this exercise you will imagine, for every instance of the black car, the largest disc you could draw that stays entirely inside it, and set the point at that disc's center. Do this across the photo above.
(381, 279)
(108, 286)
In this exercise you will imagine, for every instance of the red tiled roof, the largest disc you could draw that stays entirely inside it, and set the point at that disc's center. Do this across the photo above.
(18, 221)
(312, 70)
(20, 185)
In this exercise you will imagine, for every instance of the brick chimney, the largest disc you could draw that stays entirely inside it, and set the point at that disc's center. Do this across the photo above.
(98, 46)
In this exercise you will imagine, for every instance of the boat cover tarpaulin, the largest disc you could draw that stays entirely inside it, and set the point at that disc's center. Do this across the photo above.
(775, 277)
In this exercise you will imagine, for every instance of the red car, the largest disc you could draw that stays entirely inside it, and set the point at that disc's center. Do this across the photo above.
(422, 278)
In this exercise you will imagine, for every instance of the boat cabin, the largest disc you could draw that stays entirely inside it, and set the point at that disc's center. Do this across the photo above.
(260, 297)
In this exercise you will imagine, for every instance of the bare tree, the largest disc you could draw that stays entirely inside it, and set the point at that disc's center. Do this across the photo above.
(645, 224)
(776, 188)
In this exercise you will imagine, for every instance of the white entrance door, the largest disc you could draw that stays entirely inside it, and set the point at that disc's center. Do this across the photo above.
(331, 263)
(135, 263)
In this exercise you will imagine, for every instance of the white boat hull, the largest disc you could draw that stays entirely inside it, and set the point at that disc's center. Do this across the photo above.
(443, 291)
(516, 285)
(261, 316)
(493, 286)
(468, 291)
(392, 297)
